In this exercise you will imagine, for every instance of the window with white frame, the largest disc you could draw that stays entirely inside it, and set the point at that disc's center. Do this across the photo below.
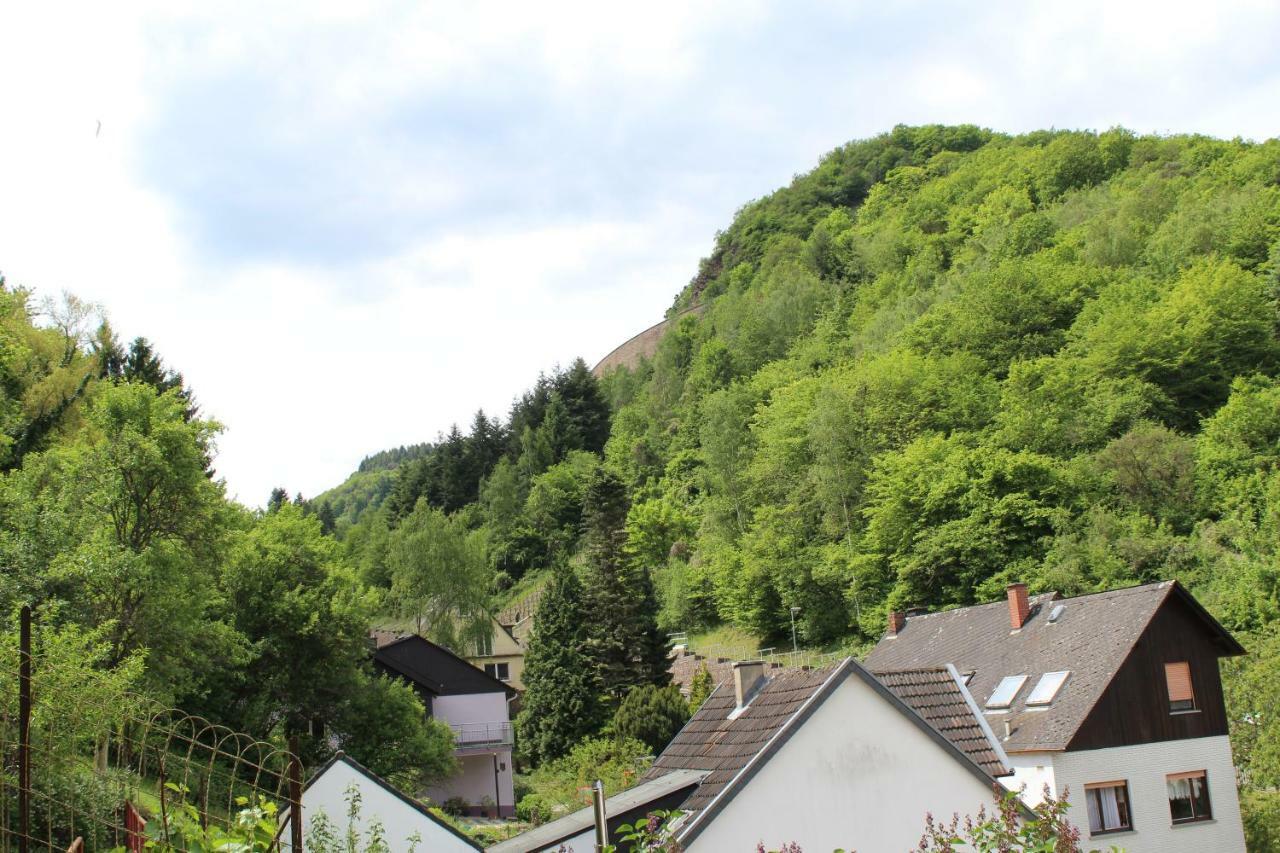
(1108, 805)
(500, 671)
(484, 646)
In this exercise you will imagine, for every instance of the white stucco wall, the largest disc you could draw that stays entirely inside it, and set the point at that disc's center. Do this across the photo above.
(857, 775)
(1144, 767)
(328, 793)
(1031, 772)
(471, 708)
(475, 781)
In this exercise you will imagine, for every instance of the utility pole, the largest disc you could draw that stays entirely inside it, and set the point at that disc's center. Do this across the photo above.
(794, 611)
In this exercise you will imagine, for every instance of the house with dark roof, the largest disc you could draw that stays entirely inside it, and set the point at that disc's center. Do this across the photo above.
(830, 758)
(1113, 698)
(475, 704)
(403, 818)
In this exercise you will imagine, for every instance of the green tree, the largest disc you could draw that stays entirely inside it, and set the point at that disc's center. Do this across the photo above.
(306, 619)
(651, 715)
(700, 688)
(439, 575)
(385, 727)
(562, 690)
(623, 640)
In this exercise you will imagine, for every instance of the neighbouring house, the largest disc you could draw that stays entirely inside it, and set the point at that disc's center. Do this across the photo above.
(500, 656)
(403, 818)
(475, 705)
(827, 758)
(517, 617)
(1113, 698)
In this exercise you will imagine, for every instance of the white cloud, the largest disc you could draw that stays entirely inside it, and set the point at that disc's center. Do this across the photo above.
(352, 225)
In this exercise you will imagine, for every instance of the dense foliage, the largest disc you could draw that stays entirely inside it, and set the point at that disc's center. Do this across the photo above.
(115, 527)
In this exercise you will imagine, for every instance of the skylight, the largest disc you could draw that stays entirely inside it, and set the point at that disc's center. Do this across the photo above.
(1047, 687)
(1006, 690)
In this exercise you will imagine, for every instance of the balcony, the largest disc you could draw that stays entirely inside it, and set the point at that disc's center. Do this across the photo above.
(482, 736)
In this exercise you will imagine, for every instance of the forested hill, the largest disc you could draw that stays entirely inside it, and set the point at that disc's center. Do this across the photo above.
(944, 360)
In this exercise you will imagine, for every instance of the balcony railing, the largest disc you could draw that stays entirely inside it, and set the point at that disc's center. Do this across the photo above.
(482, 735)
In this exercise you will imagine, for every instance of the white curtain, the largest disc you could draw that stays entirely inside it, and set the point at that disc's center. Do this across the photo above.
(1104, 809)
(1110, 808)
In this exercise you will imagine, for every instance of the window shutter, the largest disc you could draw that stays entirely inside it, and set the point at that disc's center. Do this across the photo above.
(1178, 675)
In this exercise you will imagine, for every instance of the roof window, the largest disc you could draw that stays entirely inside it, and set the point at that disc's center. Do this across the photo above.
(1006, 690)
(1047, 687)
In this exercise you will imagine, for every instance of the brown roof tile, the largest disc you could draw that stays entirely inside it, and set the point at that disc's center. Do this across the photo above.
(935, 694)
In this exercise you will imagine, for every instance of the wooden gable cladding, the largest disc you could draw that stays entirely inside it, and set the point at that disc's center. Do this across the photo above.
(1134, 709)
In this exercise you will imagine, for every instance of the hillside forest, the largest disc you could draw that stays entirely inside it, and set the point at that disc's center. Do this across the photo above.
(944, 360)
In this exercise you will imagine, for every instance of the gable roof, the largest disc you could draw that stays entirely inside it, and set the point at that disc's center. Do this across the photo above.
(421, 808)
(1091, 639)
(643, 797)
(733, 750)
(939, 696)
(435, 669)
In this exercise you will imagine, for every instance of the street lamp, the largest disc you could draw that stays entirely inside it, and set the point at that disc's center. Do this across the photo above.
(794, 611)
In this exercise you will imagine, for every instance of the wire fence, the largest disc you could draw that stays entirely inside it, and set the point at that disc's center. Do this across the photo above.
(88, 767)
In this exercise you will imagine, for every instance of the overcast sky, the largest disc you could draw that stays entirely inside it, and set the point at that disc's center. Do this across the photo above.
(350, 229)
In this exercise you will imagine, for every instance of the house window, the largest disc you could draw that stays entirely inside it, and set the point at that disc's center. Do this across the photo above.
(500, 671)
(1108, 804)
(1006, 690)
(1178, 678)
(1189, 796)
(1047, 687)
(484, 646)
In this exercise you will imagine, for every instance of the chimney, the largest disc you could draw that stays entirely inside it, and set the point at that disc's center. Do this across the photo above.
(748, 675)
(1019, 607)
(897, 621)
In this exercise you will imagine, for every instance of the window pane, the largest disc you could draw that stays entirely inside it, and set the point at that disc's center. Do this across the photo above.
(1095, 810)
(1006, 690)
(1188, 797)
(1047, 688)
(1108, 807)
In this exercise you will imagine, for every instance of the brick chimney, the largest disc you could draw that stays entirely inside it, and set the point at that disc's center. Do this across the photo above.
(748, 675)
(1019, 606)
(897, 621)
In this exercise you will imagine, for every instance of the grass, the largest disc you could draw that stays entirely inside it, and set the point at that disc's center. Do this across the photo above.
(727, 641)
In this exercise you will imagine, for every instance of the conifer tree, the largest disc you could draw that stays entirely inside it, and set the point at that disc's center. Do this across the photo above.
(562, 690)
(622, 628)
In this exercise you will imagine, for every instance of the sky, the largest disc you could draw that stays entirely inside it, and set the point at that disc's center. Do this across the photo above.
(351, 225)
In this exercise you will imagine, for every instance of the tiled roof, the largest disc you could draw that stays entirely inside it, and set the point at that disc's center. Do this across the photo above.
(1091, 639)
(937, 695)
(713, 742)
(934, 699)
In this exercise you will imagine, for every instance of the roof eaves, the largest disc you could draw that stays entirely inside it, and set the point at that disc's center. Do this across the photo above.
(1232, 646)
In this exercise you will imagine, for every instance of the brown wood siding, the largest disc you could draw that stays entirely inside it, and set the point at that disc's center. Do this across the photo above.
(1134, 708)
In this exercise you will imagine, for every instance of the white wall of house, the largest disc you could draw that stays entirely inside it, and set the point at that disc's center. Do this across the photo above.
(471, 708)
(475, 780)
(328, 794)
(1031, 772)
(1144, 767)
(857, 775)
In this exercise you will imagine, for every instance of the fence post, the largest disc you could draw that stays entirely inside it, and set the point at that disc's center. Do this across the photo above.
(24, 731)
(295, 796)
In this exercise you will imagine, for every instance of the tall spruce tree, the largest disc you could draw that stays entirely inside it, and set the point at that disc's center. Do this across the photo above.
(622, 628)
(562, 690)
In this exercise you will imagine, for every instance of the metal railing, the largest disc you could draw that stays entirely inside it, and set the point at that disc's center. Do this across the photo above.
(482, 735)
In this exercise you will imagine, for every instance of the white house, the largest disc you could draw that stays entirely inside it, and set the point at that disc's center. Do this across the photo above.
(475, 705)
(827, 758)
(1113, 699)
(406, 823)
